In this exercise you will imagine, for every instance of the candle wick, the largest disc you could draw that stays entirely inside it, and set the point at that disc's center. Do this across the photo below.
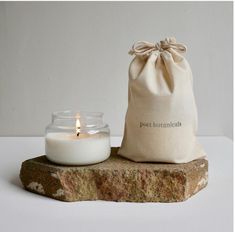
(78, 131)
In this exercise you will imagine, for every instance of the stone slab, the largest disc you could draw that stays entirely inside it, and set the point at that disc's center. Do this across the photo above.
(116, 179)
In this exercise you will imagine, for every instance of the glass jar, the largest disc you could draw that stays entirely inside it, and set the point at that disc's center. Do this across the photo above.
(77, 138)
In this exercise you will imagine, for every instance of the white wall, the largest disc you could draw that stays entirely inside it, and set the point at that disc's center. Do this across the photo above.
(73, 55)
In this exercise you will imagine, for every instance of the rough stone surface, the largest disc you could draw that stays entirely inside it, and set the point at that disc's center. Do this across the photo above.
(116, 179)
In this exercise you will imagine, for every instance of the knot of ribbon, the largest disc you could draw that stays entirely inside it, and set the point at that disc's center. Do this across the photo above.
(142, 48)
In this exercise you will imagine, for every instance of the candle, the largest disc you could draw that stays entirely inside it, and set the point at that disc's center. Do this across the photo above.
(77, 138)
(70, 149)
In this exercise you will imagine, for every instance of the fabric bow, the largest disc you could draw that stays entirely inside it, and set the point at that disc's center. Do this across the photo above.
(142, 48)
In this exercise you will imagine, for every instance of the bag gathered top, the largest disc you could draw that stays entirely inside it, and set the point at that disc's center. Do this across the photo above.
(161, 119)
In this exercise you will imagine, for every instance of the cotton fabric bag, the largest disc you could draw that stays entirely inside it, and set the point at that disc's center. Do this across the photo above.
(161, 119)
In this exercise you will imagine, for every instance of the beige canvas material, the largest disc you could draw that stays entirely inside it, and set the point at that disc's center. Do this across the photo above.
(161, 119)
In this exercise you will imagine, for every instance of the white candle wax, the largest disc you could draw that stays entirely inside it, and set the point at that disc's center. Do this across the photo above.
(70, 149)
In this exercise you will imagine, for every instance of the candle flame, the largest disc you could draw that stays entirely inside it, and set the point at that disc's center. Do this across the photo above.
(78, 127)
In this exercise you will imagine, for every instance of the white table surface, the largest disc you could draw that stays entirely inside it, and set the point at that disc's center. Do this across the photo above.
(210, 210)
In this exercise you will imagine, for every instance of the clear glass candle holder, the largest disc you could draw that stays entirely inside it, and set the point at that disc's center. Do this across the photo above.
(77, 138)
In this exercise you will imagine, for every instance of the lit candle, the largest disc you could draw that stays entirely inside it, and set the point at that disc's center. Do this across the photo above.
(77, 148)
